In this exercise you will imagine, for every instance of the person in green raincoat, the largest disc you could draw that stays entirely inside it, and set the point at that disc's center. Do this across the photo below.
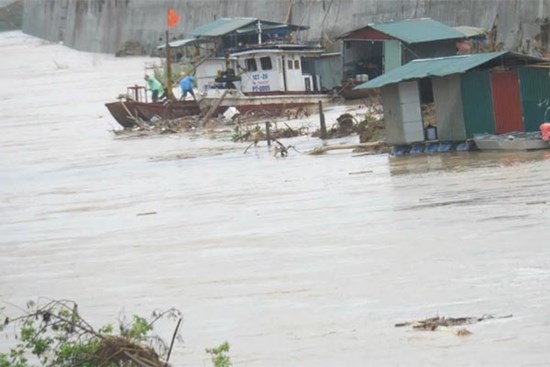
(155, 87)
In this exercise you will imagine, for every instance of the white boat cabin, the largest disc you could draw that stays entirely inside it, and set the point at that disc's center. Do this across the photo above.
(262, 71)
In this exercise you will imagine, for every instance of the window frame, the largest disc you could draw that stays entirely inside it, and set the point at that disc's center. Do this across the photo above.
(251, 64)
(268, 58)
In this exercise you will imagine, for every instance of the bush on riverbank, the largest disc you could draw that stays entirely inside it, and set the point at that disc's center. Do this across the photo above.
(55, 334)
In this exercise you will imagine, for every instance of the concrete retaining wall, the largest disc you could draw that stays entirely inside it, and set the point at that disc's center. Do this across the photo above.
(104, 25)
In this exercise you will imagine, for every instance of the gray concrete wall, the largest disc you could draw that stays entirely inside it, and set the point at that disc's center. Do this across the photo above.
(104, 25)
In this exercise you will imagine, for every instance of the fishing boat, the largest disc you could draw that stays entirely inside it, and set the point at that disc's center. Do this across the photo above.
(133, 108)
(511, 141)
(271, 77)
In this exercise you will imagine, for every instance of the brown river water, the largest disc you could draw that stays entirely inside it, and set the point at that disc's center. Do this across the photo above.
(294, 261)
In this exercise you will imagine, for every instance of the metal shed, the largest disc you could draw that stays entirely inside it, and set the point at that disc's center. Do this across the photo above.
(378, 48)
(477, 93)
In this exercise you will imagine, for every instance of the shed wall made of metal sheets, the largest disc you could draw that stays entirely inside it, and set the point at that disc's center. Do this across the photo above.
(535, 96)
(506, 101)
(392, 114)
(411, 113)
(433, 49)
(448, 108)
(477, 103)
(329, 68)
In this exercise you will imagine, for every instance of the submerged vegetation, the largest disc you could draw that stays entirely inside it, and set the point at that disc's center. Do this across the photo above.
(55, 334)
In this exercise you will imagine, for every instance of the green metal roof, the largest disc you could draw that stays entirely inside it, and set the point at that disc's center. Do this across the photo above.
(221, 26)
(179, 43)
(265, 27)
(422, 68)
(418, 30)
(469, 31)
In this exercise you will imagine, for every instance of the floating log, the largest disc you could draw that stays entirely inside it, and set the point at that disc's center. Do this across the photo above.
(326, 148)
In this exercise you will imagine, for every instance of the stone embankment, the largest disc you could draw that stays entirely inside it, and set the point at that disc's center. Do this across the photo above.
(106, 25)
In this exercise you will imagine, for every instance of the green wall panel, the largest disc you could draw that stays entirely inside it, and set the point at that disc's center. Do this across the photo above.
(477, 103)
(535, 96)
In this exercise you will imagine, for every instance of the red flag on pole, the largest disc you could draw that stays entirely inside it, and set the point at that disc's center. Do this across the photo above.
(173, 17)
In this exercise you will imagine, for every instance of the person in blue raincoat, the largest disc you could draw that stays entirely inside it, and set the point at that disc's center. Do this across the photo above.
(186, 86)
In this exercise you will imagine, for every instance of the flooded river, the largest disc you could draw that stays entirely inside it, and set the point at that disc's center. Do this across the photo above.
(295, 262)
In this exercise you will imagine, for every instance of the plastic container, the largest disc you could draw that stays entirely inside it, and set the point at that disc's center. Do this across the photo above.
(430, 132)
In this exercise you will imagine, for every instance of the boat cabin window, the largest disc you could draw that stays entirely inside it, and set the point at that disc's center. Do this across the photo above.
(266, 63)
(296, 64)
(251, 65)
(290, 64)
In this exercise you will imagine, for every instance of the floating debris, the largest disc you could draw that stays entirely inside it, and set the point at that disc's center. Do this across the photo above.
(538, 202)
(373, 146)
(360, 172)
(442, 323)
(146, 213)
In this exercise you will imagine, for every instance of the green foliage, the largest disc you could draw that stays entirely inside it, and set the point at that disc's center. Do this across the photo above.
(219, 355)
(56, 335)
(138, 329)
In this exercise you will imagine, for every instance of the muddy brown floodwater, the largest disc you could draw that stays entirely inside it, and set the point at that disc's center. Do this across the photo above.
(295, 262)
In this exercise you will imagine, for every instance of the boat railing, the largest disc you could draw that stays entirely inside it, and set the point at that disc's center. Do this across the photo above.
(137, 93)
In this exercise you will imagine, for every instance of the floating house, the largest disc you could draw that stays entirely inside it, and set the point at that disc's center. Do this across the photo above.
(375, 49)
(493, 93)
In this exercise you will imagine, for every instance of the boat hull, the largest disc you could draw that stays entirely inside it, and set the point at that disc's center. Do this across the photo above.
(274, 105)
(510, 142)
(125, 113)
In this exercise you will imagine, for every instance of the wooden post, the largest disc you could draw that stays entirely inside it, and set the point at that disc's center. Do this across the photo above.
(322, 121)
(168, 86)
(213, 109)
(268, 133)
(172, 342)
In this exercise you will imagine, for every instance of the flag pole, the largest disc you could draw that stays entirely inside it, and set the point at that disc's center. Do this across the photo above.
(169, 91)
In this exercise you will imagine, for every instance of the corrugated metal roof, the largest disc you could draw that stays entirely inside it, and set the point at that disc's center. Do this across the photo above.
(178, 43)
(221, 26)
(224, 26)
(423, 68)
(418, 30)
(265, 27)
(470, 31)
